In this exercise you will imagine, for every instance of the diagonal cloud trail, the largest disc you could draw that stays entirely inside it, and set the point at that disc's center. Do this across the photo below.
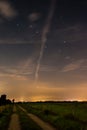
(44, 35)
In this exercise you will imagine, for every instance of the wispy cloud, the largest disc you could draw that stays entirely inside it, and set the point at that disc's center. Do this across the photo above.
(21, 71)
(73, 66)
(17, 41)
(71, 34)
(6, 10)
(47, 68)
(44, 35)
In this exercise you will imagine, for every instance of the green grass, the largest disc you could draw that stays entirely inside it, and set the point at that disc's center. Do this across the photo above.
(25, 122)
(63, 116)
(5, 117)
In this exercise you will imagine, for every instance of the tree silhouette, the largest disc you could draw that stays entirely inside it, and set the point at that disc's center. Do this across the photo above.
(3, 100)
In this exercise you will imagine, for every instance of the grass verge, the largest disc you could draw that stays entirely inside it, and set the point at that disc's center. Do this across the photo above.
(5, 116)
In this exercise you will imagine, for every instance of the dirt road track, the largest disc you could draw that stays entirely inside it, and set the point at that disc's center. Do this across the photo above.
(14, 123)
(41, 123)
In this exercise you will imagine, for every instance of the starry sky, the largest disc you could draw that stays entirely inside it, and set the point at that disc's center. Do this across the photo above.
(43, 49)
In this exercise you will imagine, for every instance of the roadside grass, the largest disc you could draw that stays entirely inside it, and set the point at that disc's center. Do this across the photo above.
(25, 122)
(63, 116)
(2, 108)
(5, 116)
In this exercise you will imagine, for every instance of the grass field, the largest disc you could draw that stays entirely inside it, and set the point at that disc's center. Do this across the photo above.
(5, 114)
(62, 115)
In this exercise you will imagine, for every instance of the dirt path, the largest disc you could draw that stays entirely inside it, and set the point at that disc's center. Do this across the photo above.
(14, 108)
(14, 123)
(41, 123)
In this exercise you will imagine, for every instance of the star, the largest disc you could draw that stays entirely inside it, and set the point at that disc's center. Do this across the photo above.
(45, 47)
(67, 57)
(31, 26)
(59, 51)
(64, 41)
(17, 24)
(37, 32)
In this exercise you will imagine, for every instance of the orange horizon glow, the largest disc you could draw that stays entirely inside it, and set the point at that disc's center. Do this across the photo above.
(26, 90)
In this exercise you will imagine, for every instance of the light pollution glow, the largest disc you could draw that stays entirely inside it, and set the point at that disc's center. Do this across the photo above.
(24, 90)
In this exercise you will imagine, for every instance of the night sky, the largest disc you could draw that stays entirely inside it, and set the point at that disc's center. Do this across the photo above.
(43, 49)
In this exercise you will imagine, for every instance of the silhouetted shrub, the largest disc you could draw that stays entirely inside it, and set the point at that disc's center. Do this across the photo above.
(49, 112)
(46, 112)
(70, 116)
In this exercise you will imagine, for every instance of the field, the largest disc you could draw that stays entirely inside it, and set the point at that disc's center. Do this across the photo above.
(62, 115)
(5, 114)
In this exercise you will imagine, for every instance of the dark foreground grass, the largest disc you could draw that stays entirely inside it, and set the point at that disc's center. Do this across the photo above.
(25, 122)
(5, 116)
(63, 116)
